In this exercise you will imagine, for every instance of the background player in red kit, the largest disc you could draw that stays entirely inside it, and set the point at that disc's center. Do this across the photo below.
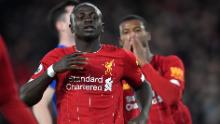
(165, 73)
(11, 107)
(89, 74)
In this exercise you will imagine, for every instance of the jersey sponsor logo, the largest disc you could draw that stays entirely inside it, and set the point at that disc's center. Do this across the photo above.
(156, 98)
(39, 69)
(89, 83)
(70, 86)
(177, 73)
(85, 79)
(131, 103)
(108, 84)
(131, 106)
(108, 67)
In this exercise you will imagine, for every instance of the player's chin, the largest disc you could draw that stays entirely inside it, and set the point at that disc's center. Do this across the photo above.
(90, 35)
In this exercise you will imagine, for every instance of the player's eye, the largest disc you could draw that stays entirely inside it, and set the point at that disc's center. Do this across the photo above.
(125, 31)
(93, 16)
(138, 29)
(80, 16)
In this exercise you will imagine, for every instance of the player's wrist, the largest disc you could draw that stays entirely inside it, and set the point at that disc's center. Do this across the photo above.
(141, 63)
(50, 71)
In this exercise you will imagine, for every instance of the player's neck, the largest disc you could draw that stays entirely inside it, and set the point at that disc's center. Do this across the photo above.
(66, 40)
(89, 45)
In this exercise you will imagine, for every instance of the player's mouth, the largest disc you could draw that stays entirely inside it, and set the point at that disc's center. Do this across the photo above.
(131, 49)
(89, 28)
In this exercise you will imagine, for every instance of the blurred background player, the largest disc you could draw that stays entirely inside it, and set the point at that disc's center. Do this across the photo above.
(59, 19)
(11, 107)
(165, 73)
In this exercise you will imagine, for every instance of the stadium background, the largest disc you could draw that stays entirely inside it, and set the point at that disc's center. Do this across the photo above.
(187, 28)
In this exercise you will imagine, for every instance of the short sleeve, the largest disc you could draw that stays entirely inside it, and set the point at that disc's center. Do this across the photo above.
(132, 72)
(173, 69)
(49, 59)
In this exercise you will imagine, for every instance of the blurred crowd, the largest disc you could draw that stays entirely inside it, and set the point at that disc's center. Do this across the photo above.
(187, 28)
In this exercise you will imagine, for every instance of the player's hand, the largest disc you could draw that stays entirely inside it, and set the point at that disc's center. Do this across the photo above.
(126, 43)
(73, 61)
(141, 119)
(139, 50)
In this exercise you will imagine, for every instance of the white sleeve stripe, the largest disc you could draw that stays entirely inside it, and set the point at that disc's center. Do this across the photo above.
(175, 82)
(142, 78)
(30, 80)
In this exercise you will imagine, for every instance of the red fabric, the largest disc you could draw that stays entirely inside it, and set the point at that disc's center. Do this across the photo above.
(10, 106)
(166, 107)
(181, 114)
(131, 109)
(89, 96)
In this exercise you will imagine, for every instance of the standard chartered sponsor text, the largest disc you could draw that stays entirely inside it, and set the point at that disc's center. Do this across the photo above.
(70, 86)
(85, 79)
(88, 83)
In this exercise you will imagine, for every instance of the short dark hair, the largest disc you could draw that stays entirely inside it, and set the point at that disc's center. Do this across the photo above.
(57, 11)
(136, 17)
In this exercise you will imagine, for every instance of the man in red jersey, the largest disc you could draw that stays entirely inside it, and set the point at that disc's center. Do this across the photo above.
(131, 109)
(11, 107)
(165, 73)
(89, 75)
(59, 18)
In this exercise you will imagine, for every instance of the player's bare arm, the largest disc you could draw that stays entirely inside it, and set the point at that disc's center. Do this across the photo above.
(32, 92)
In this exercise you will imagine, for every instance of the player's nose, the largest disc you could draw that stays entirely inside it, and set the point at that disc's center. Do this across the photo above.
(132, 34)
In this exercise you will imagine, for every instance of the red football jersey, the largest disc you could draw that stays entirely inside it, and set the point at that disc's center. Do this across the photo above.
(181, 114)
(94, 95)
(11, 106)
(131, 109)
(166, 76)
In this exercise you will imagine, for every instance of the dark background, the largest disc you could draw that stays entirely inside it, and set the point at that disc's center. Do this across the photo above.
(187, 28)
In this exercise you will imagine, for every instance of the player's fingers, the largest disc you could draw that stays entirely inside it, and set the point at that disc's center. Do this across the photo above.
(76, 54)
(77, 63)
(76, 67)
(79, 58)
(127, 45)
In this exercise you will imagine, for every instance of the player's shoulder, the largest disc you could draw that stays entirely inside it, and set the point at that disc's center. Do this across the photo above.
(58, 52)
(169, 58)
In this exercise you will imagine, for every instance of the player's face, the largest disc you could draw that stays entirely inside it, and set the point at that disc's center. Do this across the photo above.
(87, 22)
(133, 28)
(68, 10)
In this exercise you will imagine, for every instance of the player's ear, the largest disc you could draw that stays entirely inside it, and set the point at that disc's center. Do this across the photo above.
(70, 26)
(103, 26)
(72, 23)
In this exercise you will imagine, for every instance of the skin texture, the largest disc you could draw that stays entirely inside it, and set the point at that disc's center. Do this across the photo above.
(135, 38)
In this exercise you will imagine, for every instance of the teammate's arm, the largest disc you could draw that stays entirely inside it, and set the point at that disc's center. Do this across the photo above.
(41, 109)
(170, 84)
(32, 92)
